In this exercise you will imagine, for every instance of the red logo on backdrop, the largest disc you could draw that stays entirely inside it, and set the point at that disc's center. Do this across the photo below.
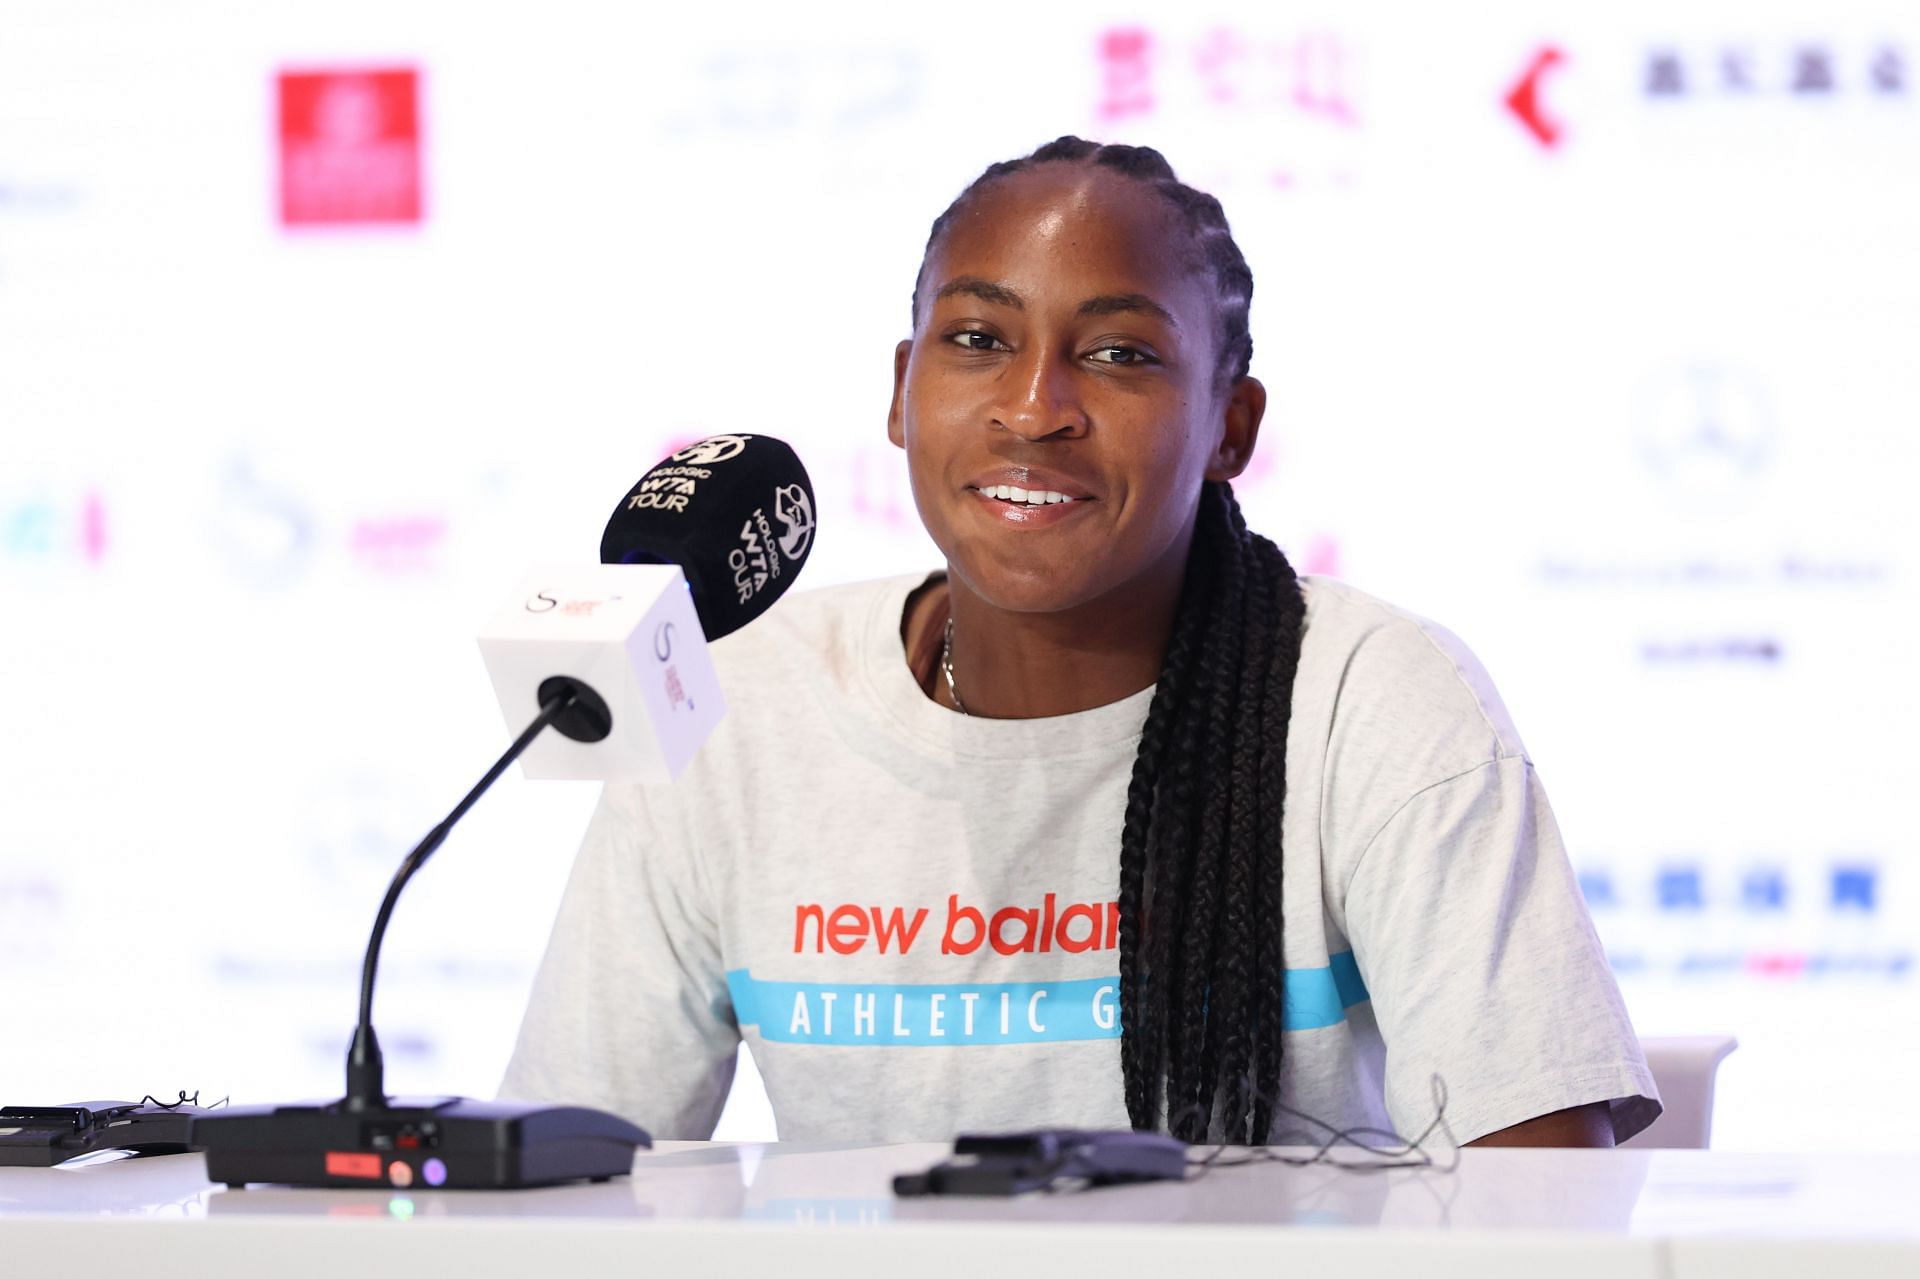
(1523, 99)
(349, 147)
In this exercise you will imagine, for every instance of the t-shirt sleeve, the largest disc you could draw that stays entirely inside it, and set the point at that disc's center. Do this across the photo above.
(630, 1011)
(1483, 966)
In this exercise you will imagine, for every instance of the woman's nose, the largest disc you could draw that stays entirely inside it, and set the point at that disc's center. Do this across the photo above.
(1042, 398)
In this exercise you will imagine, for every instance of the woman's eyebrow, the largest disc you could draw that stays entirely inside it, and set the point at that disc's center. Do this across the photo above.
(1120, 303)
(985, 290)
(1105, 304)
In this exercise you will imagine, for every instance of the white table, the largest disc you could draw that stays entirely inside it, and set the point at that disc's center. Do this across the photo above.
(797, 1211)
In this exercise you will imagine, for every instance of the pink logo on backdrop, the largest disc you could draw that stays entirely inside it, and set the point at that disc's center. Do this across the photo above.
(1308, 74)
(45, 529)
(1126, 73)
(349, 147)
(404, 544)
(1294, 96)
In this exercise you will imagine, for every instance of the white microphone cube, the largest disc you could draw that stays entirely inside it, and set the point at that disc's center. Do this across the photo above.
(629, 632)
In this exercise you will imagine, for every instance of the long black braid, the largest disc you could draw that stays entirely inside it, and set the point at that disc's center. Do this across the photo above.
(1201, 964)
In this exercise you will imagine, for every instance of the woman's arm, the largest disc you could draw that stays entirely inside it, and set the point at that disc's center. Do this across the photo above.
(1586, 1125)
(1483, 968)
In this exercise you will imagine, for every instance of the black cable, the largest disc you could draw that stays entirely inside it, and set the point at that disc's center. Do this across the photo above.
(1063, 1174)
(1395, 1152)
(183, 1100)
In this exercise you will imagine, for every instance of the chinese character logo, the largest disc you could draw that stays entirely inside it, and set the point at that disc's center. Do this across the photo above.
(349, 147)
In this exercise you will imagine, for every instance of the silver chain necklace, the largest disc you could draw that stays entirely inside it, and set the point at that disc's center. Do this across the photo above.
(946, 664)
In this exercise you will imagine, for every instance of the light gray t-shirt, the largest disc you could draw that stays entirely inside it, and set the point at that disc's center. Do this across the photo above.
(908, 913)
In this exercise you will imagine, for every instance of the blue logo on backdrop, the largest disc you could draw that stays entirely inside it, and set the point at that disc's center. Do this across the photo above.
(1764, 888)
(1679, 888)
(1855, 888)
(1851, 888)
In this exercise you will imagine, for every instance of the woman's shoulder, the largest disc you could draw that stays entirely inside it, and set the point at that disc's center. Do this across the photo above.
(1373, 665)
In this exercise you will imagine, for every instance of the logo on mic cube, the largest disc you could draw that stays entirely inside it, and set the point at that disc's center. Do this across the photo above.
(627, 631)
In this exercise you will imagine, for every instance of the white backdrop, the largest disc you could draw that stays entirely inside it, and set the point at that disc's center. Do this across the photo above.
(1590, 331)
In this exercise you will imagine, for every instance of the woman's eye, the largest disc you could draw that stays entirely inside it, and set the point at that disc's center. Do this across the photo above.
(974, 340)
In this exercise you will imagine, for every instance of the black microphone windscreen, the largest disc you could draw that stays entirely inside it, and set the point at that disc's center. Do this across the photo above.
(735, 512)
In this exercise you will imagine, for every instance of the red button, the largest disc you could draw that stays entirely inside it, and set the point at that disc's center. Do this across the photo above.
(343, 1163)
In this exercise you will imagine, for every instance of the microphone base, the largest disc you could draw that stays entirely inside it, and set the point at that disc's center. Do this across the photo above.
(432, 1143)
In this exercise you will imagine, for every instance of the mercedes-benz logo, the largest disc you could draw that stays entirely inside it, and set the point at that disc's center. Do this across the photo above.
(1708, 428)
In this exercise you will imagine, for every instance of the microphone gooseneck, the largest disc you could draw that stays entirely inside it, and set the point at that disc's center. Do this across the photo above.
(366, 1069)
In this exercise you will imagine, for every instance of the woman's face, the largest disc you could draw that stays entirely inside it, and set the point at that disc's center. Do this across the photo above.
(1066, 345)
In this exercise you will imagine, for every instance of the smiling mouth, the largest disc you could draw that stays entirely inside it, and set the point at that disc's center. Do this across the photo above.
(1016, 496)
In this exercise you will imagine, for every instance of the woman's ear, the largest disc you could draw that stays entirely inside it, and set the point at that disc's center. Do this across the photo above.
(1246, 404)
(896, 415)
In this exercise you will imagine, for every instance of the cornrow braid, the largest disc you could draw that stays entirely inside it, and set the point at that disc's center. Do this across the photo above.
(1204, 221)
(1202, 967)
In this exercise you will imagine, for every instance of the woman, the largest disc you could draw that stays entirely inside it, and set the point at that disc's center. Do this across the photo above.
(1113, 822)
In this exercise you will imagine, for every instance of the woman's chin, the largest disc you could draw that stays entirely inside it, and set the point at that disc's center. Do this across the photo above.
(1030, 589)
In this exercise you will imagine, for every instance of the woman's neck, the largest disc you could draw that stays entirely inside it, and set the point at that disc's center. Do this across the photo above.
(1009, 665)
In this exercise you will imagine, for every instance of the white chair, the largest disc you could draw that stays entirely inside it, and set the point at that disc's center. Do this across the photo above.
(748, 1113)
(1683, 1070)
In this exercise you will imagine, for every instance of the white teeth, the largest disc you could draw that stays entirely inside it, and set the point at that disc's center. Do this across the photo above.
(1026, 497)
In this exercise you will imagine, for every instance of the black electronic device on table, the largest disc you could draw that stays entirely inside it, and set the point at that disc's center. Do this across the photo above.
(1015, 1163)
(42, 1136)
(429, 1142)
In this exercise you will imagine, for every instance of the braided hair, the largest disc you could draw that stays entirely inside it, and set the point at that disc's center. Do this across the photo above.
(1201, 965)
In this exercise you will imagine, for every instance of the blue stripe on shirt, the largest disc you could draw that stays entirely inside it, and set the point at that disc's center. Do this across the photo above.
(891, 1015)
